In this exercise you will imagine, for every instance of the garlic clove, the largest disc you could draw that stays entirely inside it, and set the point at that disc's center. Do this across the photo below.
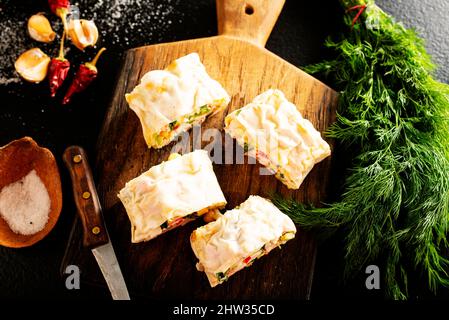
(40, 29)
(32, 65)
(83, 33)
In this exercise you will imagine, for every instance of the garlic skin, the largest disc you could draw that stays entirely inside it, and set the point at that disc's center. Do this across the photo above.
(32, 65)
(39, 28)
(83, 33)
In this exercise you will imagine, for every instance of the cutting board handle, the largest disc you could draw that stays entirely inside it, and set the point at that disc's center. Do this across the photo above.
(251, 20)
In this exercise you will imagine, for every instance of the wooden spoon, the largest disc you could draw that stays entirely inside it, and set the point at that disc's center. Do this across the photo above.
(17, 159)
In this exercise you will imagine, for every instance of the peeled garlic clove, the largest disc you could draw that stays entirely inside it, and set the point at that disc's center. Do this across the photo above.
(83, 33)
(40, 29)
(32, 65)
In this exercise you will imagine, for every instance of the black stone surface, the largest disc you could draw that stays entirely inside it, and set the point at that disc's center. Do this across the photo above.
(25, 109)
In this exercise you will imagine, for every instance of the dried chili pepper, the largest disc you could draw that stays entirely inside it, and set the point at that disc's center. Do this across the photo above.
(58, 70)
(61, 9)
(86, 73)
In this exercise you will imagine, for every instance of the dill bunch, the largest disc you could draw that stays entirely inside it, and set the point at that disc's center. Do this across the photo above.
(393, 116)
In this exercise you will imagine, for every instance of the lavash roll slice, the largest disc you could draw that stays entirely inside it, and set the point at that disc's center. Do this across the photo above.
(171, 194)
(240, 236)
(171, 101)
(272, 130)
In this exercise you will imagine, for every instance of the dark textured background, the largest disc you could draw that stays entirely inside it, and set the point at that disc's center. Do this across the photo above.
(25, 109)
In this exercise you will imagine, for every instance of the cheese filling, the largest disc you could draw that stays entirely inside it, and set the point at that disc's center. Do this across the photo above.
(174, 128)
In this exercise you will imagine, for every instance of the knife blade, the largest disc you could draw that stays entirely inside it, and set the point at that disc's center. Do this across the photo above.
(110, 269)
(95, 234)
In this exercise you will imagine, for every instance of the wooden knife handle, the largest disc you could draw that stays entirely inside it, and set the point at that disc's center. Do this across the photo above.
(86, 198)
(251, 20)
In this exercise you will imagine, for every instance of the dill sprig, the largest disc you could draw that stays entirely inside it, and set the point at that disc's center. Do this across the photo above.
(393, 116)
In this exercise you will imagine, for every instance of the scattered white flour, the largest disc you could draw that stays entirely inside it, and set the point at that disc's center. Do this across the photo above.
(25, 204)
(120, 20)
(10, 42)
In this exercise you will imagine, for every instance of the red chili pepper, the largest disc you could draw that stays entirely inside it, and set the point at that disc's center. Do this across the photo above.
(247, 259)
(58, 69)
(61, 9)
(86, 73)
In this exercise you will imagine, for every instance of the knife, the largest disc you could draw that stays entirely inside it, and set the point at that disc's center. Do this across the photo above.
(95, 234)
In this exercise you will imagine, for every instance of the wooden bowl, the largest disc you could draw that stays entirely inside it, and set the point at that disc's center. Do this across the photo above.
(17, 159)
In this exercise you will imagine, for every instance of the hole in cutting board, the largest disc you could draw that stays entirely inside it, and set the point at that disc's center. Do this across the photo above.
(249, 10)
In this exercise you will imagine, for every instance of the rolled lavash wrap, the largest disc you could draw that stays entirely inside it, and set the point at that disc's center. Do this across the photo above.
(171, 194)
(240, 236)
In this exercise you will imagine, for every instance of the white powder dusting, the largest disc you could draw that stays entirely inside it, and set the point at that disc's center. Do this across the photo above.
(9, 40)
(120, 20)
(25, 204)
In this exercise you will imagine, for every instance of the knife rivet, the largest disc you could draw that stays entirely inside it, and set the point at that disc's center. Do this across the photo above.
(77, 158)
(86, 195)
(96, 230)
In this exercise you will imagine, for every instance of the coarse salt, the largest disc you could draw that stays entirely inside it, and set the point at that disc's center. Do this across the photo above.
(25, 204)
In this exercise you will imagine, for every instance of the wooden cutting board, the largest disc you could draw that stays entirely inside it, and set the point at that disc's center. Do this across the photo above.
(165, 267)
